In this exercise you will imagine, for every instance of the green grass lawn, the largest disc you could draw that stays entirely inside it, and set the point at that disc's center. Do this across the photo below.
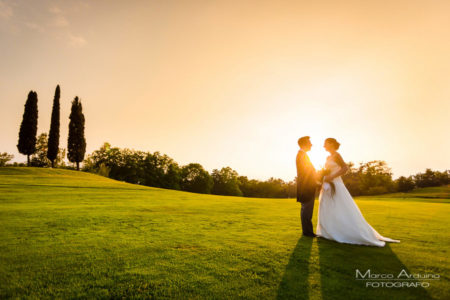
(68, 234)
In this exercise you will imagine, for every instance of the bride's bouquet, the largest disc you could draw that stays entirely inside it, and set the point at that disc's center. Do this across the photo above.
(326, 186)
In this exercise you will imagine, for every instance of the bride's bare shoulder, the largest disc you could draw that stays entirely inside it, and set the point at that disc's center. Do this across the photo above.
(337, 154)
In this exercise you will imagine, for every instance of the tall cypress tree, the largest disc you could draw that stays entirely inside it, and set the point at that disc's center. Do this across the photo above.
(28, 127)
(53, 137)
(76, 144)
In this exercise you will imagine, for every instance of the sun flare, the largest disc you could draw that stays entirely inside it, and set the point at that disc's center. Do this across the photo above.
(318, 157)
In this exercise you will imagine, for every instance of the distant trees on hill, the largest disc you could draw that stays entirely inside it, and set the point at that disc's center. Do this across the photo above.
(371, 178)
(271, 188)
(431, 178)
(405, 184)
(53, 139)
(28, 127)
(151, 169)
(40, 157)
(4, 158)
(193, 178)
(226, 182)
(50, 152)
(76, 143)
(158, 170)
(375, 177)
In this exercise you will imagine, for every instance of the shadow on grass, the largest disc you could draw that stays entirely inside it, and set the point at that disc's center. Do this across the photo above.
(294, 284)
(338, 264)
(337, 267)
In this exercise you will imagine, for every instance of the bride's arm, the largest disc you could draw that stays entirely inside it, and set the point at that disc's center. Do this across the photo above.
(343, 168)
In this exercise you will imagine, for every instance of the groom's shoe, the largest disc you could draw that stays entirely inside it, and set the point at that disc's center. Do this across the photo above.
(311, 235)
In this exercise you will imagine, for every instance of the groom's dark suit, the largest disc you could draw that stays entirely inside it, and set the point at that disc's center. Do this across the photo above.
(306, 190)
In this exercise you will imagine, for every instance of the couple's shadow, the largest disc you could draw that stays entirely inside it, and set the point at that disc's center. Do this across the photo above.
(319, 268)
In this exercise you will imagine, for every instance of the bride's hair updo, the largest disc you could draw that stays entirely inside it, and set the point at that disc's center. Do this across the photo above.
(333, 142)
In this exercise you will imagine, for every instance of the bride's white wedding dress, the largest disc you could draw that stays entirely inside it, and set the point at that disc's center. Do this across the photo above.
(340, 218)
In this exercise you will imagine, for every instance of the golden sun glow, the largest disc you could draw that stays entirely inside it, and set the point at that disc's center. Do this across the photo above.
(318, 157)
(236, 83)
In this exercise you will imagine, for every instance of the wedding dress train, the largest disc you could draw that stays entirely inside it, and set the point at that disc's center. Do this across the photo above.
(340, 218)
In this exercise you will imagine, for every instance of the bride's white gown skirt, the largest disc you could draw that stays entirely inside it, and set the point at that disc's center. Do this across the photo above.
(341, 220)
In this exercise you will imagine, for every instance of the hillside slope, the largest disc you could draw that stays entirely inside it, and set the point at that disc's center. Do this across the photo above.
(438, 192)
(73, 234)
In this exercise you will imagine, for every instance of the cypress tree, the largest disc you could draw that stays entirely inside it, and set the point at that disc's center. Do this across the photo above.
(76, 143)
(28, 127)
(53, 138)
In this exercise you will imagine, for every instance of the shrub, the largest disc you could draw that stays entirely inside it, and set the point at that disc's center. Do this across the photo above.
(4, 158)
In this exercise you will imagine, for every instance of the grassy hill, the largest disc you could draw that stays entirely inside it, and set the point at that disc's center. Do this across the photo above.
(436, 194)
(77, 235)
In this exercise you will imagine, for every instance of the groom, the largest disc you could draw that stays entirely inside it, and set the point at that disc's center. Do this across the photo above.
(306, 185)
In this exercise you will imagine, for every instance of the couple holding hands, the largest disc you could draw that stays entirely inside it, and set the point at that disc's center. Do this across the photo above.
(339, 218)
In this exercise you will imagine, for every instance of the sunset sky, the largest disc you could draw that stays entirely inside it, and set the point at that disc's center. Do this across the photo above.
(236, 83)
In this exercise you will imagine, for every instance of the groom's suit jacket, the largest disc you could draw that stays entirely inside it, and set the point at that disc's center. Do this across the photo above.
(306, 178)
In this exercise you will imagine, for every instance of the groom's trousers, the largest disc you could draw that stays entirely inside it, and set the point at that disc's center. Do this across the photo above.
(306, 214)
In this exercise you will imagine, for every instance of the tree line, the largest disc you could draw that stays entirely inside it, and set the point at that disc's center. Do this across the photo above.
(35, 147)
(375, 178)
(159, 170)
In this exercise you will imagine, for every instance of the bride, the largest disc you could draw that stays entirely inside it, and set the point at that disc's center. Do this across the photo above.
(339, 217)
